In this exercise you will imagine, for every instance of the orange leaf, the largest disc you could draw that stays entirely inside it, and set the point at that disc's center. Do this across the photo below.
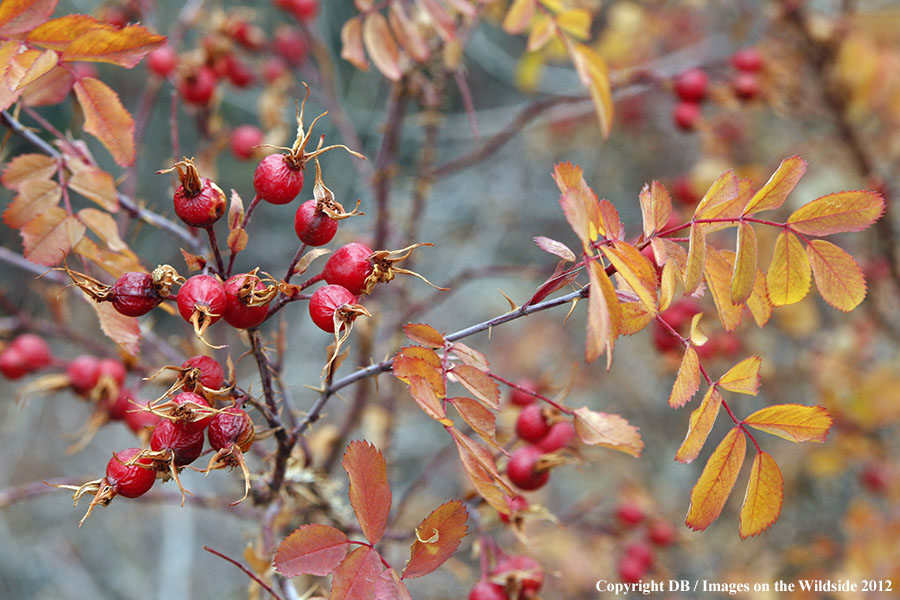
(671, 285)
(837, 213)
(789, 273)
(696, 259)
(51, 88)
(778, 188)
(124, 47)
(793, 422)
(35, 197)
(518, 16)
(423, 393)
(744, 277)
(124, 331)
(237, 235)
(407, 33)
(370, 492)
(25, 167)
(609, 431)
(11, 72)
(718, 275)
(758, 303)
(40, 66)
(437, 538)
(743, 377)
(722, 192)
(594, 75)
(426, 354)
(687, 382)
(19, 16)
(717, 480)
(441, 20)
(481, 470)
(656, 208)
(636, 269)
(311, 550)
(103, 224)
(58, 33)
(389, 587)
(599, 326)
(381, 46)
(96, 185)
(765, 494)
(50, 235)
(470, 356)
(610, 224)
(352, 44)
(479, 418)
(578, 201)
(634, 318)
(353, 579)
(424, 334)
(838, 277)
(702, 420)
(106, 118)
(114, 263)
(476, 381)
(405, 367)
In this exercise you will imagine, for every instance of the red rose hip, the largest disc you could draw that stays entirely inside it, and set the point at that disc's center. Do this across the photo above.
(278, 179)
(129, 480)
(186, 445)
(312, 226)
(532, 424)
(690, 86)
(325, 302)
(243, 309)
(349, 267)
(134, 294)
(522, 469)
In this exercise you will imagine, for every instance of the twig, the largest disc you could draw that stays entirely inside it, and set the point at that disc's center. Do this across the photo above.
(247, 571)
(384, 163)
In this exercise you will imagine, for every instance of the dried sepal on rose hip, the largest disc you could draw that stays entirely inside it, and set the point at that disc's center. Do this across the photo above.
(247, 299)
(316, 220)
(133, 294)
(231, 433)
(278, 178)
(334, 309)
(356, 267)
(173, 446)
(187, 409)
(200, 374)
(198, 201)
(128, 474)
(201, 302)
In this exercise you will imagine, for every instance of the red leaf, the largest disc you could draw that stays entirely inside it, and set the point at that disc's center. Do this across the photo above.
(355, 577)
(106, 118)
(389, 587)
(124, 331)
(437, 538)
(476, 381)
(311, 549)
(370, 492)
(18, 16)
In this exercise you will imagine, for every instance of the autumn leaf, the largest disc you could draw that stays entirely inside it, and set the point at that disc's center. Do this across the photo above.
(237, 236)
(696, 258)
(405, 366)
(758, 302)
(607, 430)
(604, 315)
(838, 277)
(764, 497)
(353, 578)
(106, 118)
(718, 272)
(789, 274)
(594, 75)
(19, 16)
(578, 201)
(58, 33)
(370, 492)
(311, 550)
(518, 16)
(352, 49)
(27, 167)
(687, 382)
(425, 354)
(656, 208)
(793, 422)
(716, 481)
(555, 248)
(470, 356)
(423, 393)
(407, 33)
(743, 377)
(424, 334)
(744, 277)
(477, 381)
(722, 192)
(543, 30)
(40, 66)
(671, 286)
(124, 47)
(50, 235)
(636, 269)
(437, 538)
(104, 225)
(389, 587)
(382, 48)
(35, 197)
(479, 418)
(576, 22)
(702, 420)
(481, 470)
(124, 331)
(778, 188)
(837, 213)
(96, 185)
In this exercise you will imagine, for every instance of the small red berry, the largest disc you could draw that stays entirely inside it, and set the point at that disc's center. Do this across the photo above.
(521, 397)
(532, 425)
(212, 376)
(33, 349)
(290, 45)
(137, 419)
(198, 87)
(231, 426)
(485, 590)
(640, 552)
(305, 10)
(516, 504)
(247, 35)
(237, 71)
(124, 402)
(162, 61)
(112, 369)
(876, 477)
(276, 180)
(747, 59)
(631, 570)
(115, 16)
(314, 227)
(84, 373)
(325, 301)
(273, 69)
(745, 85)
(629, 514)
(349, 267)
(522, 469)
(686, 115)
(186, 445)
(560, 435)
(12, 364)
(204, 294)
(190, 410)
(661, 533)
(526, 571)
(244, 138)
(690, 86)
(238, 313)
(198, 201)
(134, 294)
(127, 480)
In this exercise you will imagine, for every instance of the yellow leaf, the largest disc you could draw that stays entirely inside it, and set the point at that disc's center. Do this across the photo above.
(687, 382)
(598, 325)
(744, 277)
(702, 420)
(352, 44)
(106, 118)
(381, 46)
(609, 431)
(793, 422)
(35, 197)
(789, 272)
(578, 201)
(670, 286)
(717, 480)
(723, 191)
(758, 302)
(19, 16)
(594, 75)
(636, 269)
(104, 226)
(97, 185)
(39, 67)
(518, 16)
(765, 494)
(838, 277)
(696, 258)
(25, 167)
(50, 235)
(634, 318)
(576, 22)
(778, 188)
(837, 213)
(656, 208)
(743, 377)
(718, 275)
(11, 73)
(58, 33)
(542, 31)
(124, 47)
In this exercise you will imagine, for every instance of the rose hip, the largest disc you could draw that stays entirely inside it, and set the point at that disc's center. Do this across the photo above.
(129, 480)
(314, 227)
(349, 266)
(241, 309)
(522, 469)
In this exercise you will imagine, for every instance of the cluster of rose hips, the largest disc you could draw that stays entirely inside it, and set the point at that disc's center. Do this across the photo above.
(515, 577)
(691, 87)
(544, 431)
(638, 554)
(25, 354)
